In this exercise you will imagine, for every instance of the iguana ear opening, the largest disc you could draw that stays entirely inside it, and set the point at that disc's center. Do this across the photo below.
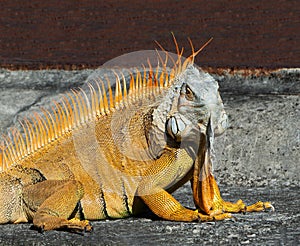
(203, 192)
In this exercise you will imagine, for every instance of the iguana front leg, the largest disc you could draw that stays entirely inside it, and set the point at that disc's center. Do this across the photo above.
(166, 206)
(163, 176)
(53, 204)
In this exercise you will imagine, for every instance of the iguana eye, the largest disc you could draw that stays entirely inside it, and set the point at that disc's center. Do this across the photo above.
(189, 94)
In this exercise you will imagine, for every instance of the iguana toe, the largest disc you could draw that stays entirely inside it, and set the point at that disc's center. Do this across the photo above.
(78, 225)
(260, 206)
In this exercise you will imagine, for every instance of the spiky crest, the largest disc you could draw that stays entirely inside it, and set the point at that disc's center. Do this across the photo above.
(76, 108)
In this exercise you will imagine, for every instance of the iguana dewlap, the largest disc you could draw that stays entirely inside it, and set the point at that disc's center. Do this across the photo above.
(100, 155)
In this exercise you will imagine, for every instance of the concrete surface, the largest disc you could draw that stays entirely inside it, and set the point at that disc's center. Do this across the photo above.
(266, 228)
(256, 159)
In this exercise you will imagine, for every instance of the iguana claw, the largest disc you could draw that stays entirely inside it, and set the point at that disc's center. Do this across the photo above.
(260, 206)
(78, 225)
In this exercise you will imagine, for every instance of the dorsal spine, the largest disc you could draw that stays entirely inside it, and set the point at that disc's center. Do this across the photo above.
(76, 108)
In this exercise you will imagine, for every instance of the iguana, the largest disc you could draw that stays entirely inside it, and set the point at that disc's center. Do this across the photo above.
(99, 155)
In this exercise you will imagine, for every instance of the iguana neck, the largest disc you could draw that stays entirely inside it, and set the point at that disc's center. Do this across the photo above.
(156, 131)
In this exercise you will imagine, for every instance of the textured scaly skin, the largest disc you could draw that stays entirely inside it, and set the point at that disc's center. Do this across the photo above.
(113, 164)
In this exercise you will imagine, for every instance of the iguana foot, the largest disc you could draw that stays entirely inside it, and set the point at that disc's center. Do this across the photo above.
(221, 216)
(220, 206)
(260, 206)
(188, 215)
(73, 225)
(78, 225)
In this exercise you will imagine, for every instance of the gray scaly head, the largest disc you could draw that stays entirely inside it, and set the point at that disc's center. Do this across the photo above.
(198, 103)
(191, 103)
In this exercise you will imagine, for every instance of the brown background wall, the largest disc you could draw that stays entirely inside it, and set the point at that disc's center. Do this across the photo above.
(39, 34)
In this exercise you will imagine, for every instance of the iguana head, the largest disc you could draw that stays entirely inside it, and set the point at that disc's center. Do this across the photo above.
(196, 116)
(197, 102)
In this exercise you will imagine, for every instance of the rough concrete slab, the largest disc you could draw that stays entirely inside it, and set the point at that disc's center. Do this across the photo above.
(25, 91)
(266, 228)
(262, 145)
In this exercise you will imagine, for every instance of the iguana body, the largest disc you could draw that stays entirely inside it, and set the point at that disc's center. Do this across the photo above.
(97, 157)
